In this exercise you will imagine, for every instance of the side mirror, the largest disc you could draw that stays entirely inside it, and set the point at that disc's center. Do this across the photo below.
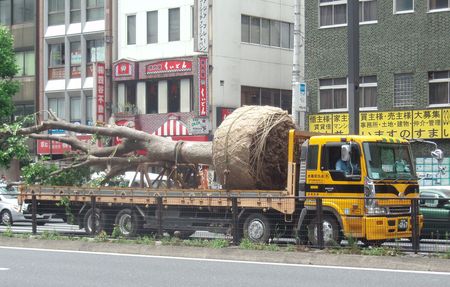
(438, 154)
(345, 152)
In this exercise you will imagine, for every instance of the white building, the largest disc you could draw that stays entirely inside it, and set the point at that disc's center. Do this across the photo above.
(73, 34)
(246, 59)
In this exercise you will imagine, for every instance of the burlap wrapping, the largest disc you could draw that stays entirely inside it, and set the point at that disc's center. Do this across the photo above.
(251, 147)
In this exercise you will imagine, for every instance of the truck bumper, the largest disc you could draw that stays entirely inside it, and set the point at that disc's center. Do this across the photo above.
(386, 228)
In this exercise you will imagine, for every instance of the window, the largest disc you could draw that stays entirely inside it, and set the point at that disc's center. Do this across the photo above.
(89, 115)
(130, 95)
(75, 59)
(270, 97)
(95, 10)
(131, 30)
(5, 12)
(402, 6)
(152, 27)
(333, 94)
(368, 92)
(368, 11)
(245, 29)
(75, 11)
(26, 63)
(332, 12)
(56, 61)
(57, 55)
(265, 32)
(262, 31)
(95, 51)
(275, 33)
(152, 97)
(75, 110)
(403, 90)
(439, 87)
(438, 5)
(285, 37)
(23, 11)
(174, 24)
(174, 97)
(55, 12)
(255, 30)
(312, 157)
(57, 106)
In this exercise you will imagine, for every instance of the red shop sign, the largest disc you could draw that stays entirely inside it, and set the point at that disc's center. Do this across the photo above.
(100, 91)
(168, 67)
(203, 86)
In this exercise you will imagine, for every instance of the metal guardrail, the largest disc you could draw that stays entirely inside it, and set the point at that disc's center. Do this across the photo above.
(317, 220)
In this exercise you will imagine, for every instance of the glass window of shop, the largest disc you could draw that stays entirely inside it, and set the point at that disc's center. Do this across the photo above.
(152, 97)
(173, 95)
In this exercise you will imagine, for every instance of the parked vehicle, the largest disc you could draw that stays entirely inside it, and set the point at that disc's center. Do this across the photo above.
(435, 207)
(11, 211)
(369, 201)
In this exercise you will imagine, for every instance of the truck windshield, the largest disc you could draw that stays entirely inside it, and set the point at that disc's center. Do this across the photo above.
(388, 161)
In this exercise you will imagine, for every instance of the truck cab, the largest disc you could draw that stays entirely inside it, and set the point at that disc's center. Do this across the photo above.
(364, 182)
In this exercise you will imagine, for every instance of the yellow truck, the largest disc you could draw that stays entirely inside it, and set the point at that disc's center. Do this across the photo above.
(362, 186)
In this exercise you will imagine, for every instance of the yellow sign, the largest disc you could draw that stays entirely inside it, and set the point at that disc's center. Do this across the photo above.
(321, 123)
(427, 124)
(390, 124)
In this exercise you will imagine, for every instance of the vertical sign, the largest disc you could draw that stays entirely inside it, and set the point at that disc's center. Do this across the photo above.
(201, 32)
(302, 99)
(203, 86)
(100, 91)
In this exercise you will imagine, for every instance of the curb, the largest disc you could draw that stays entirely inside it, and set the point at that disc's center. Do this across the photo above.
(315, 257)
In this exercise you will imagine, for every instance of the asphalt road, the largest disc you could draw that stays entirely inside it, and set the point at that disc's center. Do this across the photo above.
(34, 267)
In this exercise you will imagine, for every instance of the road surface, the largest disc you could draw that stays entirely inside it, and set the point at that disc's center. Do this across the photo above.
(37, 267)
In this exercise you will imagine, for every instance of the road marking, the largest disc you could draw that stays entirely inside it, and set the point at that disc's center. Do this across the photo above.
(228, 261)
(4, 269)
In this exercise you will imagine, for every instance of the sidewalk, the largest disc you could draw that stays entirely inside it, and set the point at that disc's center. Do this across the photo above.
(313, 257)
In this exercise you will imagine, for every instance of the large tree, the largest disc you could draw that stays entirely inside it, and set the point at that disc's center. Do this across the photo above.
(8, 69)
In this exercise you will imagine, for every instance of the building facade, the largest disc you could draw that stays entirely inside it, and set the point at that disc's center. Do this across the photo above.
(20, 17)
(404, 67)
(181, 66)
(74, 38)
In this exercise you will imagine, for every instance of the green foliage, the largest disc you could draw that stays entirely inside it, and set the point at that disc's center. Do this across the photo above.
(65, 202)
(8, 69)
(8, 232)
(13, 145)
(102, 237)
(215, 243)
(50, 235)
(250, 245)
(41, 173)
(146, 240)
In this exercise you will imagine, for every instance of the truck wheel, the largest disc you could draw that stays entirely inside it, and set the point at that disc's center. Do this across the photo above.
(330, 231)
(127, 222)
(98, 218)
(6, 217)
(257, 228)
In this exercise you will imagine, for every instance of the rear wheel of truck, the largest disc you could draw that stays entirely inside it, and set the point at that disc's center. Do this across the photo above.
(331, 234)
(257, 228)
(98, 218)
(127, 223)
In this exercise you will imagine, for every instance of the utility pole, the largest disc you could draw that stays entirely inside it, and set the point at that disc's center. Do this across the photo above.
(353, 65)
(298, 87)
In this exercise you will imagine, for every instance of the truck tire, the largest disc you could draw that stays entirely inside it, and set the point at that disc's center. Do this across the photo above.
(257, 228)
(100, 221)
(127, 222)
(331, 233)
(6, 217)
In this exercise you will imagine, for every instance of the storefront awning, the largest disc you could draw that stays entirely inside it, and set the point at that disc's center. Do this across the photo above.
(172, 127)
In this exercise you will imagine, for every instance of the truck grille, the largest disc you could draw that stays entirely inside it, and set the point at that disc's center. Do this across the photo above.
(399, 209)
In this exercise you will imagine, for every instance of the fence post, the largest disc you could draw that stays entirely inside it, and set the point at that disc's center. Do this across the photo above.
(415, 225)
(93, 216)
(319, 216)
(159, 215)
(33, 213)
(236, 231)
